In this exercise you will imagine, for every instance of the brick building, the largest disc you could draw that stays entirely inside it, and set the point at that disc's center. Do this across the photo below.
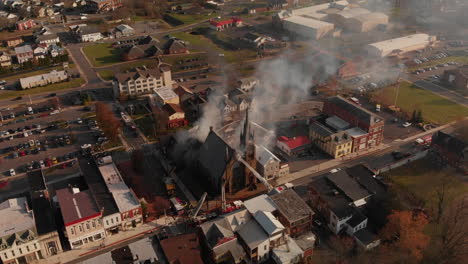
(359, 117)
(25, 24)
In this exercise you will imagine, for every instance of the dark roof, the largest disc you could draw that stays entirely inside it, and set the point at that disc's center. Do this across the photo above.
(321, 129)
(291, 206)
(357, 219)
(43, 214)
(363, 114)
(147, 40)
(450, 142)
(135, 52)
(122, 255)
(46, 37)
(88, 30)
(76, 206)
(337, 202)
(139, 72)
(365, 236)
(251, 36)
(212, 155)
(36, 180)
(172, 109)
(365, 178)
(182, 249)
(348, 185)
(174, 44)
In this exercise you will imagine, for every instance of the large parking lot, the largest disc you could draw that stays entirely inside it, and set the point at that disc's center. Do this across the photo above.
(38, 139)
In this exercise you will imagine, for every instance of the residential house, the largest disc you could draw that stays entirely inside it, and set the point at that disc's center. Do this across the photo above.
(175, 46)
(221, 24)
(5, 59)
(293, 146)
(13, 42)
(81, 216)
(123, 30)
(182, 249)
(175, 114)
(247, 85)
(182, 7)
(43, 79)
(268, 165)
(288, 253)
(295, 215)
(142, 80)
(24, 53)
(359, 117)
(25, 24)
(46, 36)
(458, 77)
(40, 52)
(56, 50)
(127, 203)
(306, 241)
(140, 48)
(85, 33)
(335, 142)
(18, 235)
(452, 149)
(103, 5)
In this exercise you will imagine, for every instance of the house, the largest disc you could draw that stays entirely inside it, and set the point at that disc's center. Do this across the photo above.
(247, 84)
(288, 253)
(142, 80)
(293, 146)
(47, 39)
(306, 241)
(24, 53)
(221, 24)
(331, 139)
(295, 215)
(43, 79)
(268, 165)
(56, 50)
(175, 46)
(140, 48)
(452, 149)
(176, 115)
(19, 241)
(99, 6)
(359, 117)
(127, 202)
(182, 249)
(25, 24)
(220, 238)
(40, 52)
(123, 30)
(182, 7)
(254, 39)
(5, 59)
(85, 33)
(458, 77)
(13, 42)
(81, 216)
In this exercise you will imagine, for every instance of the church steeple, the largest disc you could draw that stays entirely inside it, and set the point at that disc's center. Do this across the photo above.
(245, 135)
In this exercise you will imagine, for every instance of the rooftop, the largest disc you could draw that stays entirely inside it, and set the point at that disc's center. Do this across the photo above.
(308, 22)
(337, 123)
(363, 114)
(263, 155)
(291, 205)
(15, 217)
(182, 249)
(306, 240)
(289, 252)
(371, 16)
(337, 202)
(43, 214)
(295, 142)
(260, 203)
(365, 178)
(23, 49)
(252, 234)
(142, 73)
(365, 236)
(268, 222)
(348, 185)
(36, 180)
(353, 12)
(76, 205)
(355, 132)
(401, 43)
(46, 76)
(165, 93)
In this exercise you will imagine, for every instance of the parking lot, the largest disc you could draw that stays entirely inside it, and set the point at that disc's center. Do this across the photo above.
(54, 142)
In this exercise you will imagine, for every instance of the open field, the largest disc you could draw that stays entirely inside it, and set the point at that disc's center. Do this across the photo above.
(423, 179)
(435, 108)
(102, 54)
(48, 88)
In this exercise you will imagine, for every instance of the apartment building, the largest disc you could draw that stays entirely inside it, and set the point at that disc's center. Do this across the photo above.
(335, 142)
(81, 217)
(142, 80)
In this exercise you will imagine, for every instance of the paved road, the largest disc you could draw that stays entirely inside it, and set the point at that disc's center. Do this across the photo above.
(437, 89)
(85, 68)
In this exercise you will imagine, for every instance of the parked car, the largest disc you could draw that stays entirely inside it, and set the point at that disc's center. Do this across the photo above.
(406, 124)
(12, 172)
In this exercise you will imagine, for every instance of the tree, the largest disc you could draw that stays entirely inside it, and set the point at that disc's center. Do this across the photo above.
(404, 233)
(342, 247)
(414, 116)
(107, 120)
(419, 117)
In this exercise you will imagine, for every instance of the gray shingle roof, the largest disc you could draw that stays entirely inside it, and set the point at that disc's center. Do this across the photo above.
(348, 185)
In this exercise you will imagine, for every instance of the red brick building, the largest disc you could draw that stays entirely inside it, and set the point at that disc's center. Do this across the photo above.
(25, 24)
(359, 117)
(220, 25)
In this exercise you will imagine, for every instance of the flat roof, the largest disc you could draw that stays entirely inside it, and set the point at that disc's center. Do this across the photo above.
(371, 16)
(15, 217)
(315, 11)
(76, 206)
(288, 252)
(165, 93)
(260, 203)
(308, 22)
(182, 249)
(291, 205)
(353, 12)
(401, 43)
(356, 132)
(348, 185)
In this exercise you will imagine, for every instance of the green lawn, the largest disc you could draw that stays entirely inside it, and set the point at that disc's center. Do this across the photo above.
(192, 19)
(435, 108)
(460, 59)
(27, 74)
(422, 179)
(49, 88)
(102, 54)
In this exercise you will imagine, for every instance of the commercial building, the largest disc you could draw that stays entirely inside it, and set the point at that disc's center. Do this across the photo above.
(43, 79)
(85, 33)
(182, 249)
(221, 24)
(366, 22)
(142, 80)
(47, 39)
(123, 30)
(175, 114)
(293, 146)
(359, 117)
(25, 24)
(397, 46)
(330, 136)
(18, 235)
(307, 27)
(13, 42)
(127, 203)
(81, 216)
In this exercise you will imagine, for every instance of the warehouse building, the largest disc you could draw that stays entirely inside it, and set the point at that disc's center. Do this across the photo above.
(307, 27)
(397, 46)
(341, 18)
(366, 22)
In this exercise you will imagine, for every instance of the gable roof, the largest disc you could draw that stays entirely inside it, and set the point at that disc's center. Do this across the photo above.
(252, 234)
(214, 155)
(138, 73)
(450, 142)
(172, 109)
(348, 185)
(268, 222)
(365, 178)
(263, 155)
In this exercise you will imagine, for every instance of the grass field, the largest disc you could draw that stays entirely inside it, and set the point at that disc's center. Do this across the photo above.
(49, 88)
(422, 179)
(192, 19)
(460, 59)
(102, 54)
(31, 73)
(435, 108)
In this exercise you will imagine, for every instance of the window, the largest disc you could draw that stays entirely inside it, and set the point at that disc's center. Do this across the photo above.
(265, 247)
(107, 222)
(5, 255)
(112, 220)
(20, 250)
(117, 219)
(81, 229)
(87, 226)
(27, 248)
(13, 253)
(72, 231)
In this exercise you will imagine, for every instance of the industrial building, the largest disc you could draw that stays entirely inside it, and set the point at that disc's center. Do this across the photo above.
(366, 22)
(401, 45)
(307, 27)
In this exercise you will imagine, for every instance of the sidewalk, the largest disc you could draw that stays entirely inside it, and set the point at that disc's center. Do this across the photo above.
(113, 240)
